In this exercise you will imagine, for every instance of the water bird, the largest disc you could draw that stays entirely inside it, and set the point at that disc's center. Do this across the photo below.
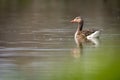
(84, 35)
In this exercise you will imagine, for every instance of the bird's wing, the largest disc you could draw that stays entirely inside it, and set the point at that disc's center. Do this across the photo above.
(88, 32)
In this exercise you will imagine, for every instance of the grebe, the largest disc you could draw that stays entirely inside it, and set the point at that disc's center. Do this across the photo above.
(80, 33)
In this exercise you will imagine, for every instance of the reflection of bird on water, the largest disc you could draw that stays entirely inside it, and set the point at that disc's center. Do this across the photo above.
(84, 37)
(78, 51)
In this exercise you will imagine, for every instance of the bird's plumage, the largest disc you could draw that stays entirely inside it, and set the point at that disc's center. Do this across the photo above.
(83, 35)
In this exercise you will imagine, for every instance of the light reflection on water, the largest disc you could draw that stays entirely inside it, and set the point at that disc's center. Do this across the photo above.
(37, 43)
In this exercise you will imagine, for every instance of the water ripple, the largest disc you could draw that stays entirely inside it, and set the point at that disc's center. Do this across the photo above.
(32, 49)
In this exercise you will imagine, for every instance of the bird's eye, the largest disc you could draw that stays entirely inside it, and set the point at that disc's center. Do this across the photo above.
(77, 17)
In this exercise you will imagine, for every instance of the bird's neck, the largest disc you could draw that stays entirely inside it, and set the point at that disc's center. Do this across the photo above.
(80, 26)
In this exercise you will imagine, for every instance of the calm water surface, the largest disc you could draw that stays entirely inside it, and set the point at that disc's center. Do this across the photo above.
(37, 40)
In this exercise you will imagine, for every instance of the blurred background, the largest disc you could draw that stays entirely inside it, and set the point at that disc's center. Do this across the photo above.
(37, 40)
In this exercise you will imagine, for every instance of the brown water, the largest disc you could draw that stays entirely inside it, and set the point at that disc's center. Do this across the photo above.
(37, 40)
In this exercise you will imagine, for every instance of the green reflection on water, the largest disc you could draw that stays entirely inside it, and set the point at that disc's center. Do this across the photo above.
(95, 64)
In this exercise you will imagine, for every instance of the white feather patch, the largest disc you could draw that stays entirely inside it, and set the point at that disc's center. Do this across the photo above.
(94, 35)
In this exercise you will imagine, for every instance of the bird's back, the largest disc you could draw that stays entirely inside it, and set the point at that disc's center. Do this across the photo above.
(87, 33)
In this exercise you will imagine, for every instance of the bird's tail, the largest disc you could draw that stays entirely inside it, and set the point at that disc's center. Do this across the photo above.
(94, 35)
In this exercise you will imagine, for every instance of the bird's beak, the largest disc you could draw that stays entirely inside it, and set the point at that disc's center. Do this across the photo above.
(72, 21)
